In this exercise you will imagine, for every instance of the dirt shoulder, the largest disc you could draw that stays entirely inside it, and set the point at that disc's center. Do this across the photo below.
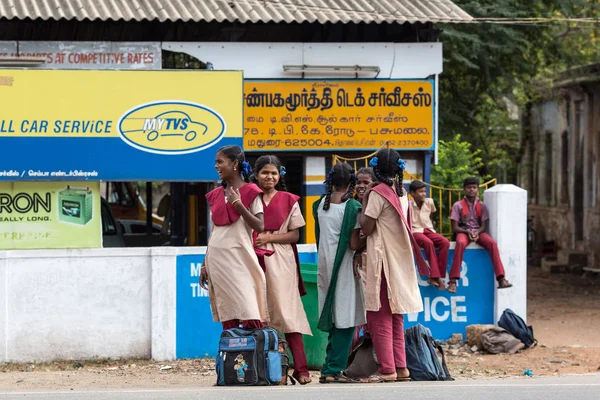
(563, 310)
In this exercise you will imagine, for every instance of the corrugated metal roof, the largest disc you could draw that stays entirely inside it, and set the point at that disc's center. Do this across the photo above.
(246, 11)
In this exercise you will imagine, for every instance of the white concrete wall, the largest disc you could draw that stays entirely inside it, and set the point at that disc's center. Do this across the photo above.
(73, 304)
(507, 205)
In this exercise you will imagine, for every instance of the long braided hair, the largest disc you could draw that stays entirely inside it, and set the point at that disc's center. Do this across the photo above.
(388, 169)
(341, 175)
(235, 153)
(273, 160)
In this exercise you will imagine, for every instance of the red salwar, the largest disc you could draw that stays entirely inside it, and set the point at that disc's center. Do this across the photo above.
(429, 241)
(297, 348)
(387, 333)
(485, 241)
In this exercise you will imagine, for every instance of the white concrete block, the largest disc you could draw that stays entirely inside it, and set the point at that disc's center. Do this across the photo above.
(507, 205)
(164, 303)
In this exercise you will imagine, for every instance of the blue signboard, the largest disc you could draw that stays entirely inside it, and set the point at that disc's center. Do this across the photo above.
(444, 313)
(196, 333)
(117, 125)
(473, 303)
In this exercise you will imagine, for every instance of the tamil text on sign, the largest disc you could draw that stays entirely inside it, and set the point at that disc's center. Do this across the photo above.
(311, 115)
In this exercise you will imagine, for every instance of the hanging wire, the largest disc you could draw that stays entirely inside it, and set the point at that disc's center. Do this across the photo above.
(399, 16)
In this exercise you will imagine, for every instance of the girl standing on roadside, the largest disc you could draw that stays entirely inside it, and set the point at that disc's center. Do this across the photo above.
(230, 271)
(364, 178)
(340, 292)
(282, 221)
(392, 287)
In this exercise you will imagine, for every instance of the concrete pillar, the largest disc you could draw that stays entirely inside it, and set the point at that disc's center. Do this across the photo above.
(507, 206)
(164, 307)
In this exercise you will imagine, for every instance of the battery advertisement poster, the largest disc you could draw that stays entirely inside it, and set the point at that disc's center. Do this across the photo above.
(50, 215)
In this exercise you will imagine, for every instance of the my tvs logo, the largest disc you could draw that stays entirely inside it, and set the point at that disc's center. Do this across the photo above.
(171, 127)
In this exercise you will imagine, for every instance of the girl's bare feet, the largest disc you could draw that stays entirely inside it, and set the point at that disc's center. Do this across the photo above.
(452, 286)
(437, 282)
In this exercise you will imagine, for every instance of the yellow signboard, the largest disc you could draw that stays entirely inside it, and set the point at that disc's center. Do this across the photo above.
(50, 215)
(328, 115)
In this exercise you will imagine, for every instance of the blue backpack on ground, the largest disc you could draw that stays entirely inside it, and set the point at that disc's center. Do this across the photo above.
(249, 357)
(517, 327)
(421, 357)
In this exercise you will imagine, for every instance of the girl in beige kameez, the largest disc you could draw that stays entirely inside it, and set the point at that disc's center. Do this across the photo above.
(392, 286)
(235, 280)
(282, 221)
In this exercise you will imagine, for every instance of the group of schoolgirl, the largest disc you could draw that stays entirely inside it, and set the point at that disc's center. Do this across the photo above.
(366, 259)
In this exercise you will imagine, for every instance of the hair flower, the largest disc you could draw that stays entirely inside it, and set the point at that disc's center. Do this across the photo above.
(246, 168)
(374, 161)
(402, 164)
(282, 171)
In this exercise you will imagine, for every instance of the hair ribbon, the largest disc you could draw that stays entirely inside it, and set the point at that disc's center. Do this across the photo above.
(402, 164)
(246, 168)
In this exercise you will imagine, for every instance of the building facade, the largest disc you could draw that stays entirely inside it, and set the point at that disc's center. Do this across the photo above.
(560, 166)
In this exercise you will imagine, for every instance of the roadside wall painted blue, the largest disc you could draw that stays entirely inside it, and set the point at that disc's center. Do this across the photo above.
(473, 303)
(444, 313)
(196, 333)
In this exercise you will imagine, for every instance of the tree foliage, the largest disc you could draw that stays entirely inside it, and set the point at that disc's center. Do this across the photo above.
(492, 69)
(457, 160)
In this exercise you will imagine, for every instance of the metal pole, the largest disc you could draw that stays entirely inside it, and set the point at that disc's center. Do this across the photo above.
(149, 208)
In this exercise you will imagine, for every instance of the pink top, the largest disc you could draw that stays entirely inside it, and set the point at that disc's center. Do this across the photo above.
(472, 222)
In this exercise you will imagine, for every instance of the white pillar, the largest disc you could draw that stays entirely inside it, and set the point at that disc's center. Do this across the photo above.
(164, 303)
(507, 206)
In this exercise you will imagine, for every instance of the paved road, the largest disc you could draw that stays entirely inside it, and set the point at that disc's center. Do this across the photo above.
(567, 387)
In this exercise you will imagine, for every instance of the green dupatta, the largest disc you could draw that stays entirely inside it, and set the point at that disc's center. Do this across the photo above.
(348, 223)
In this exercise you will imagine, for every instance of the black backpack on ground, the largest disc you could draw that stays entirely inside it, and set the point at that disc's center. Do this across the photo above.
(517, 327)
(421, 356)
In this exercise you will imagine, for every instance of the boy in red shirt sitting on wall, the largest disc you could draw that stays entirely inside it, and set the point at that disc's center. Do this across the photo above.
(425, 235)
(469, 217)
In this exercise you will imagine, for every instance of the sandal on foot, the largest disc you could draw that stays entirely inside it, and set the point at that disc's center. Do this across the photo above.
(379, 379)
(504, 284)
(337, 378)
(403, 379)
(452, 287)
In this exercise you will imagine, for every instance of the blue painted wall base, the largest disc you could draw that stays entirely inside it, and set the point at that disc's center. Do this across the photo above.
(444, 313)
